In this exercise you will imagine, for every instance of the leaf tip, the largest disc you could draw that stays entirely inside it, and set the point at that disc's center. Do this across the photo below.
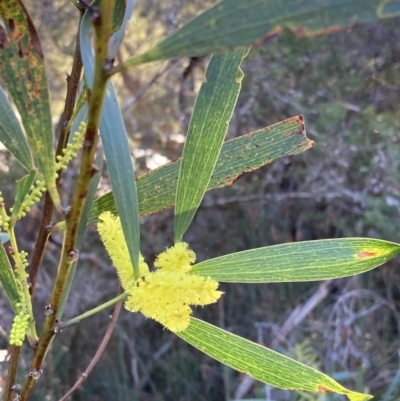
(359, 397)
(310, 144)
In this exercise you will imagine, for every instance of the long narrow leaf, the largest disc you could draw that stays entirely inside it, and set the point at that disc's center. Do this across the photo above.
(300, 261)
(207, 129)
(11, 135)
(22, 68)
(233, 23)
(7, 279)
(157, 189)
(116, 150)
(259, 362)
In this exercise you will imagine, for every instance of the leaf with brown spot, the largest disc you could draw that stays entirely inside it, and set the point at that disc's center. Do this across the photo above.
(156, 190)
(260, 362)
(23, 71)
(232, 23)
(298, 261)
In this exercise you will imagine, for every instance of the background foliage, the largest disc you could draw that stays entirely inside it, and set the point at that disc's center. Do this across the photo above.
(345, 85)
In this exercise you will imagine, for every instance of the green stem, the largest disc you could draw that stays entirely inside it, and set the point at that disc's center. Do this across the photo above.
(132, 62)
(102, 22)
(57, 227)
(95, 310)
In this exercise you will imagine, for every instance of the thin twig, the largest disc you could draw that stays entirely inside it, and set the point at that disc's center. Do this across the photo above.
(98, 354)
(63, 127)
(93, 311)
(143, 89)
(41, 241)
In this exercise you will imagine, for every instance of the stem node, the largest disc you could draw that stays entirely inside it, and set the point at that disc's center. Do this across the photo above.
(95, 169)
(48, 310)
(35, 374)
(73, 255)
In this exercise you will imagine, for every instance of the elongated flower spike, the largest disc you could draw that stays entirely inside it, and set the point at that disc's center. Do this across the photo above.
(19, 326)
(110, 230)
(166, 294)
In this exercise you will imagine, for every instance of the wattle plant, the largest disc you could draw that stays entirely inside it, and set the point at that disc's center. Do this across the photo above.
(177, 284)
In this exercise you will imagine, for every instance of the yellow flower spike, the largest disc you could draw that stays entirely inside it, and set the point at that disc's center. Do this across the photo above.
(110, 230)
(178, 258)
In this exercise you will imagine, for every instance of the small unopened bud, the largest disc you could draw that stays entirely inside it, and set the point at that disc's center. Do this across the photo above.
(35, 374)
(66, 211)
(57, 327)
(48, 310)
(108, 65)
(73, 255)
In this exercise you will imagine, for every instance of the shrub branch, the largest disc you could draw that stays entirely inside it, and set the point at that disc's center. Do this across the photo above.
(62, 132)
(102, 22)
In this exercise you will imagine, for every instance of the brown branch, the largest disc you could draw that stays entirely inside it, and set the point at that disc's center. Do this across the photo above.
(41, 241)
(63, 127)
(102, 22)
(12, 371)
(62, 131)
(98, 353)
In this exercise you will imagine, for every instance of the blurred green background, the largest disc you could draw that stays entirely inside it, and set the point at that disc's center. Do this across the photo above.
(347, 87)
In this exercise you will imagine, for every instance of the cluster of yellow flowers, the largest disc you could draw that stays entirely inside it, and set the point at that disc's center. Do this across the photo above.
(166, 294)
